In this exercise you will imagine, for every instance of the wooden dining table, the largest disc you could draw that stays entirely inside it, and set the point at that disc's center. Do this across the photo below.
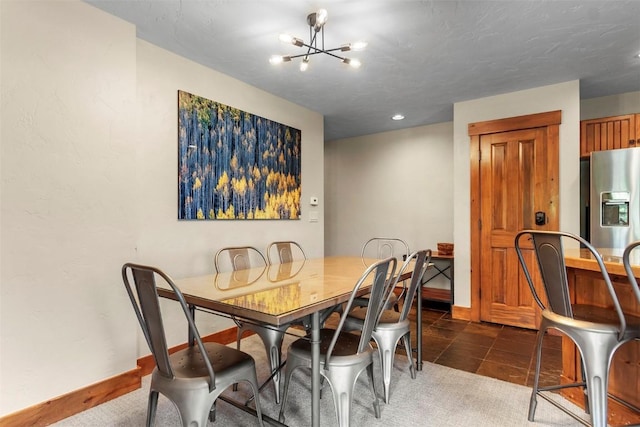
(280, 294)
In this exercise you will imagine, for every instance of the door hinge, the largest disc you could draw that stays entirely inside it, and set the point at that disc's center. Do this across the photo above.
(479, 224)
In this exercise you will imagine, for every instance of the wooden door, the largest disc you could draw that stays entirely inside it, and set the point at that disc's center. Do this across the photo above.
(517, 176)
(608, 133)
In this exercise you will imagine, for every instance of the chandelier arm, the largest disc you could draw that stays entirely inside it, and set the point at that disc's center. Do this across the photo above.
(315, 53)
(328, 52)
(312, 41)
(332, 50)
(310, 48)
(318, 50)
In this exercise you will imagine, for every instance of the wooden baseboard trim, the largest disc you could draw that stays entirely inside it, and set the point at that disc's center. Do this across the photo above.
(61, 407)
(461, 313)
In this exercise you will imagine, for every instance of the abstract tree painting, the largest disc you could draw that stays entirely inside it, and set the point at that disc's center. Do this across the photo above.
(235, 165)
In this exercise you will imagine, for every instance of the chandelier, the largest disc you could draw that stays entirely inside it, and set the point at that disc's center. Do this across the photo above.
(316, 23)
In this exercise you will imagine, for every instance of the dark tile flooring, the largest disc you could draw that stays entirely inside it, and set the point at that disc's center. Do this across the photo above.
(503, 352)
(497, 351)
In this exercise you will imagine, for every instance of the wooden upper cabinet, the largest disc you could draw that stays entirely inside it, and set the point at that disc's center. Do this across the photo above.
(609, 133)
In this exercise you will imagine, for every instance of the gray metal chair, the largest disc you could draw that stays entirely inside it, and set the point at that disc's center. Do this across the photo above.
(287, 251)
(597, 331)
(241, 258)
(343, 355)
(626, 261)
(238, 258)
(192, 382)
(381, 248)
(392, 325)
(384, 247)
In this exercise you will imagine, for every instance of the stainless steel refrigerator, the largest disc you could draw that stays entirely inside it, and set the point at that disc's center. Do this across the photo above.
(615, 198)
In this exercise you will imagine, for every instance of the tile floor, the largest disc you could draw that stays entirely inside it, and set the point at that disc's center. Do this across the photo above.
(497, 351)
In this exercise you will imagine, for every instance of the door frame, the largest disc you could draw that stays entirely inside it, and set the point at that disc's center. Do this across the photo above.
(551, 120)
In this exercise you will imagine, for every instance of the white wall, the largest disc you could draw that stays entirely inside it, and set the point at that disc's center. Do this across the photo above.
(563, 96)
(68, 96)
(414, 183)
(392, 184)
(188, 246)
(89, 181)
(614, 105)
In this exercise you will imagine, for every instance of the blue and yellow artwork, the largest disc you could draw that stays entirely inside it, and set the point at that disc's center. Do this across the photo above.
(235, 165)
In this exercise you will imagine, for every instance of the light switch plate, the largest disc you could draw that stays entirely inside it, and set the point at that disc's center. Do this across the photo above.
(313, 201)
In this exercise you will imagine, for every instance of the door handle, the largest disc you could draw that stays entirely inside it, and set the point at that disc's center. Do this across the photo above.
(541, 218)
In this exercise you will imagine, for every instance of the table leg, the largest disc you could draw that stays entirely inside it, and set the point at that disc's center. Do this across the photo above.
(315, 369)
(191, 339)
(419, 329)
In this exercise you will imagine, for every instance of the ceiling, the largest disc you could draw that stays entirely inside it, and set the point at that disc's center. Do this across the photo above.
(422, 56)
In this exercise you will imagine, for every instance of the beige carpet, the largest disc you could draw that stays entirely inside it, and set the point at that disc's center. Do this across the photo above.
(439, 396)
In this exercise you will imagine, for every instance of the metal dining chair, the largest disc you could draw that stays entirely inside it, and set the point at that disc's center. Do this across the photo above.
(597, 331)
(626, 261)
(343, 355)
(380, 248)
(287, 251)
(392, 326)
(189, 380)
(384, 247)
(241, 258)
(238, 258)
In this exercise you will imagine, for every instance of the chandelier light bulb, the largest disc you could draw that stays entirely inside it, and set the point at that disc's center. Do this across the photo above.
(276, 59)
(286, 38)
(279, 59)
(353, 46)
(304, 64)
(353, 63)
(321, 17)
(359, 45)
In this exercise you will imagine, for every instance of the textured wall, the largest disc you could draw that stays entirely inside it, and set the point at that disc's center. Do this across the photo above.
(89, 181)
(68, 96)
(391, 184)
(563, 96)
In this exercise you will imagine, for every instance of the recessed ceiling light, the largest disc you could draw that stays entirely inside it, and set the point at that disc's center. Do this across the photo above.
(398, 117)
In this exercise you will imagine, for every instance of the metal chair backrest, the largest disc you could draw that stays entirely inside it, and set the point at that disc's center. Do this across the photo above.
(626, 261)
(422, 260)
(380, 274)
(239, 258)
(548, 249)
(384, 247)
(146, 304)
(285, 251)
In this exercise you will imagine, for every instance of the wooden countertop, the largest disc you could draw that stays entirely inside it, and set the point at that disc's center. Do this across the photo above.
(582, 259)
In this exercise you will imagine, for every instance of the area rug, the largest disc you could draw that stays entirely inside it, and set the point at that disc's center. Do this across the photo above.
(439, 396)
